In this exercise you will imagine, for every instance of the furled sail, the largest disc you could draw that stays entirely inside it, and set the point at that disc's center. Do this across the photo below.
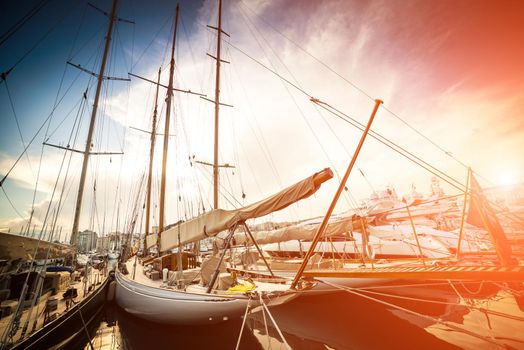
(215, 221)
(302, 231)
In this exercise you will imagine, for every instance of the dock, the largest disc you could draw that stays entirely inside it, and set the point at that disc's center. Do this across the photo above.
(455, 272)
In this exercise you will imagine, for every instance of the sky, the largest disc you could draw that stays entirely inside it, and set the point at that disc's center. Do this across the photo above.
(449, 72)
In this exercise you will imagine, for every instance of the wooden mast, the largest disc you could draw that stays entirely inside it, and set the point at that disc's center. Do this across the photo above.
(324, 223)
(166, 131)
(217, 107)
(151, 155)
(112, 18)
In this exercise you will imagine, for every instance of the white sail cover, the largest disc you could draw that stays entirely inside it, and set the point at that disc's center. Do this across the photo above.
(301, 231)
(215, 221)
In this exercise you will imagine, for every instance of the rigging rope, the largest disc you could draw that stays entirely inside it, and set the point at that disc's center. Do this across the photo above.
(95, 34)
(15, 320)
(63, 192)
(194, 173)
(39, 130)
(169, 17)
(442, 174)
(39, 41)
(46, 137)
(417, 160)
(18, 125)
(80, 24)
(225, 191)
(390, 144)
(22, 21)
(301, 112)
(449, 154)
(13, 206)
(260, 139)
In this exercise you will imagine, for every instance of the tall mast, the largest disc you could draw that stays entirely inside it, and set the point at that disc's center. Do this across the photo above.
(166, 131)
(151, 155)
(79, 198)
(217, 107)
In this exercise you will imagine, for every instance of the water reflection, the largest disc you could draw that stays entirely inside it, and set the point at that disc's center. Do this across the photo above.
(121, 330)
(479, 316)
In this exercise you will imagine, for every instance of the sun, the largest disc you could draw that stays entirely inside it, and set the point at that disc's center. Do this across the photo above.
(506, 177)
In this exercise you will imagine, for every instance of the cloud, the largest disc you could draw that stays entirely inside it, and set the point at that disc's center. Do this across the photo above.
(373, 47)
(25, 173)
(21, 224)
(414, 56)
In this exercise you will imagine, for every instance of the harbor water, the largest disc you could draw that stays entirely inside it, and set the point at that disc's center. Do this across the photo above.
(486, 318)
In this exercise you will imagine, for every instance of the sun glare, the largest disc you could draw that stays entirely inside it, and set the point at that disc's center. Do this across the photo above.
(506, 177)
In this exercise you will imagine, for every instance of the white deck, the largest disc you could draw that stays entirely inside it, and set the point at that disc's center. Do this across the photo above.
(141, 278)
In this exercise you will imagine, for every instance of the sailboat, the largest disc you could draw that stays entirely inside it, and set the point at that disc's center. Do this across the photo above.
(344, 239)
(54, 321)
(388, 237)
(455, 302)
(219, 295)
(205, 304)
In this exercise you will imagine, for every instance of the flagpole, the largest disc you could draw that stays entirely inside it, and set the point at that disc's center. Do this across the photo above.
(463, 212)
(491, 224)
(415, 235)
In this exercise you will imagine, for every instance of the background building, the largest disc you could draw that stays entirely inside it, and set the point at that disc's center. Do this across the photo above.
(87, 241)
(102, 244)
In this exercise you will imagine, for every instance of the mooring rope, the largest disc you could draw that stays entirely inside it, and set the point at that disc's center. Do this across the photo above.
(466, 304)
(433, 319)
(274, 323)
(85, 327)
(265, 322)
(243, 324)
(478, 308)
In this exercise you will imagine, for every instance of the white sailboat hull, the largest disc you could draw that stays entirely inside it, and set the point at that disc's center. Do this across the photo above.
(176, 307)
(405, 248)
(470, 242)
